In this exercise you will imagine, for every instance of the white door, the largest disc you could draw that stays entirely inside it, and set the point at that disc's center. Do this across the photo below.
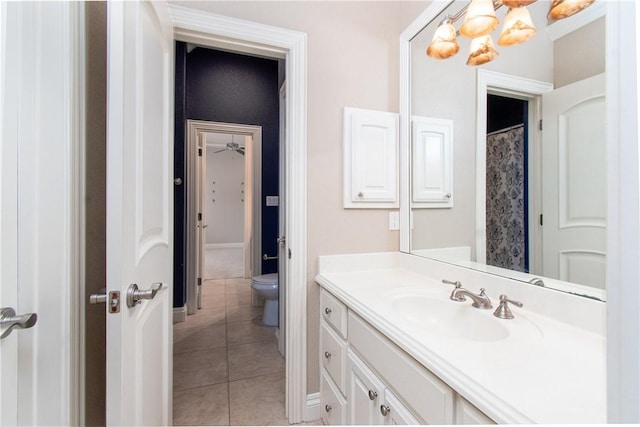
(139, 212)
(201, 183)
(283, 254)
(38, 365)
(574, 184)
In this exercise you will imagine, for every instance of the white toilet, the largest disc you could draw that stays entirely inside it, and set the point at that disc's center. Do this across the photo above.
(266, 286)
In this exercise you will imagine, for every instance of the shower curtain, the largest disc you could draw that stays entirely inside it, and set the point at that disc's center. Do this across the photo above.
(506, 199)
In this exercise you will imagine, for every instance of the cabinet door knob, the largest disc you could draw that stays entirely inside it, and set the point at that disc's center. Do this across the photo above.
(327, 408)
(384, 410)
(373, 395)
(360, 194)
(327, 310)
(327, 355)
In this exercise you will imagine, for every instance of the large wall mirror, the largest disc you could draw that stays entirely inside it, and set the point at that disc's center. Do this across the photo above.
(526, 195)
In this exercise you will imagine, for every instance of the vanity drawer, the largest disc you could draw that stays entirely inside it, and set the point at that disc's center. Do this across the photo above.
(426, 395)
(333, 405)
(332, 353)
(334, 312)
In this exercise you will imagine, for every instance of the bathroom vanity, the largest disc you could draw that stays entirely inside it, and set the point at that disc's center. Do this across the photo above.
(395, 349)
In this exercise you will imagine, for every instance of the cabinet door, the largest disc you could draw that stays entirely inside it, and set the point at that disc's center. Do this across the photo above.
(370, 159)
(396, 412)
(467, 414)
(432, 148)
(364, 393)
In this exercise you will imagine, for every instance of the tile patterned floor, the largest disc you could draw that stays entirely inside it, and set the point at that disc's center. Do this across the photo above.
(226, 365)
(222, 263)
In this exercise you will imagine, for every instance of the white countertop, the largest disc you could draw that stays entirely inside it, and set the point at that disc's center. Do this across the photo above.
(546, 371)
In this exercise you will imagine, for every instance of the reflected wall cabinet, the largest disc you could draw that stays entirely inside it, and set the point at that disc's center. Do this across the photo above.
(432, 162)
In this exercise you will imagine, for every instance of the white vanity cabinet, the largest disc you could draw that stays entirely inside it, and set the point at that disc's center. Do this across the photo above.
(366, 379)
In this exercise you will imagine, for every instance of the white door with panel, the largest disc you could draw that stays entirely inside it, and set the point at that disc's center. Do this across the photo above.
(38, 219)
(139, 213)
(574, 186)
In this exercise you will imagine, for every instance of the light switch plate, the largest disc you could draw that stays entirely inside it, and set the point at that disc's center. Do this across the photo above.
(394, 220)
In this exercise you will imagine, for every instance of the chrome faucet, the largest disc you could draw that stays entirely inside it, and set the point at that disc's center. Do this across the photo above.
(459, 294)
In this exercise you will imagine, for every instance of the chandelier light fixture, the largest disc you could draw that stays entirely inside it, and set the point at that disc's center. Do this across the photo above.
(480, 21)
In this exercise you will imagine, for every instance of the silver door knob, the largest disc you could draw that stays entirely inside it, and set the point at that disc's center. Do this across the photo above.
(373, 395)
(384, 410)
(327, 408)
(327, 311)
(9, 320)
(135, 295)
(327, 355)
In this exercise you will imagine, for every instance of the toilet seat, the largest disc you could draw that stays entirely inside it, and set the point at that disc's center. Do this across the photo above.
(266, 279)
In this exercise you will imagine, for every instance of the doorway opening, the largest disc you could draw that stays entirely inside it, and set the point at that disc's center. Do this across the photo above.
(507, 173)
(233, 183)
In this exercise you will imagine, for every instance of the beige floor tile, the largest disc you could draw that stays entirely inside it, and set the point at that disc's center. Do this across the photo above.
(248, 332)
(250, 360)
(199, 368)
(213, 287)
(204, 317)
(235, 286)
(258, 400)
(202, 406)
(213, 301)
(238, 298)
(199, 338)
(241, 313)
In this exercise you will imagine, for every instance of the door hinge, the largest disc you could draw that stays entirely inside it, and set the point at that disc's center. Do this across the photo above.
(540, 124)
(199, 216)
(540, 219)
(199, 152)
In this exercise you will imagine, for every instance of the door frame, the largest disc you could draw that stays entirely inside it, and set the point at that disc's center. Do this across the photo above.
(194, 129)
(237, 35)
(494, 83)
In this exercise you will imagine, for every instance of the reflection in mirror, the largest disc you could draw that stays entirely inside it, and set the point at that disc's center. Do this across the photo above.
(528, 172)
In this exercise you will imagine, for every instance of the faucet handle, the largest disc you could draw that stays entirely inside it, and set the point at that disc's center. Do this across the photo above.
(503, 311)
(454, 294)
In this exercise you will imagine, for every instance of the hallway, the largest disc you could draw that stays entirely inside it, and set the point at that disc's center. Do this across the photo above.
(227, 369)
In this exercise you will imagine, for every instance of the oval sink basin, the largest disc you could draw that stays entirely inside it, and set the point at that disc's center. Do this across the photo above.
(450, 319)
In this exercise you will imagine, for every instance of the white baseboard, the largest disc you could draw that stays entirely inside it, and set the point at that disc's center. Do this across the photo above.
(179, 314)
(223, 245)
(312, 411)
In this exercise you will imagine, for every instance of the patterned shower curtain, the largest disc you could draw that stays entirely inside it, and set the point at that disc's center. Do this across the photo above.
(506, 239)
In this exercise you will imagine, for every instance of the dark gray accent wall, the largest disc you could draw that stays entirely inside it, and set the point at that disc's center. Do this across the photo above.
(226, 87)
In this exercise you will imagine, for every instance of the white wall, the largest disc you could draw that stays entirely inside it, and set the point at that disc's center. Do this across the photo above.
(353, 61)
(225, 215)
(585, 46)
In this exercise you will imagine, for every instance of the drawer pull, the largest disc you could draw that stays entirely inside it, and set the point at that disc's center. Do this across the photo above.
(373, 395)
(384, 410)
(327, 355)
(327, 311)
(327, 408)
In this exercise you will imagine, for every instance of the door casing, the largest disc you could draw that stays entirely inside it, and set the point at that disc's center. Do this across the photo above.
(236, 35)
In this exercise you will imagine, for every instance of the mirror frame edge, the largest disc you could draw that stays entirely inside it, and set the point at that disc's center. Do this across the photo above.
(432, 11)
